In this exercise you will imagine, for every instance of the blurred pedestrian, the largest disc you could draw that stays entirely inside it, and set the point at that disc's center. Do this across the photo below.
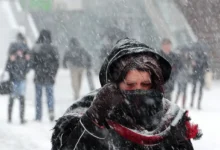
(183, 77)
(166, 52)
(18, 65)
(110, 37)
(77, 60)
(199, 67)
(109, 41)
(45, 65)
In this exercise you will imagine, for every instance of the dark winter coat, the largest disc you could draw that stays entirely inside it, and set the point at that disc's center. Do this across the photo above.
(67, 131)
(174, 61)
(19, 68)
(45, 63)
(173, 131)
(76, 56)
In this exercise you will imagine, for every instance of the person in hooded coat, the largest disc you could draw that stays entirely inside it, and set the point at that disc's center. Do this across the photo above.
(45, 65)
(20, 43)
(77, 59)
(18, 65)
(128, 112)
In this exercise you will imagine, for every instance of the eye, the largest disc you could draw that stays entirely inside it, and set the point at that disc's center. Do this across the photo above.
(130, 84)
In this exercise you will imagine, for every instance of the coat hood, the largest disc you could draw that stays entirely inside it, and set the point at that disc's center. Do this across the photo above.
(44, 37)
(14, 47)
(126, 47)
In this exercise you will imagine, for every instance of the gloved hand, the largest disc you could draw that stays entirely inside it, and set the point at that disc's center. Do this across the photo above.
(105, 101)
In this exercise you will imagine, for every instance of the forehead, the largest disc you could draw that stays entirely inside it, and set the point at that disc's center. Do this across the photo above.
(166, 43)
(136, 75)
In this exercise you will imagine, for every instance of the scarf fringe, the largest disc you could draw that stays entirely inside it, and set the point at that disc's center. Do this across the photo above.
(192, 130)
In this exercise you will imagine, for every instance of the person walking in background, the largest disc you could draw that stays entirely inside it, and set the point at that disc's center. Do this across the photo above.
(45, 65)
(18, 66)
(166, 52)
(111, 36)
(199, 67)
(77, 59)
(183, 76)
(109, 42)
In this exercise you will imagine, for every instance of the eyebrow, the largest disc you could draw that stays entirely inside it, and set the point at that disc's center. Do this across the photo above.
(130, 81)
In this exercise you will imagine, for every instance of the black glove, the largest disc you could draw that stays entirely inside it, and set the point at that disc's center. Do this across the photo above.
(105, 101)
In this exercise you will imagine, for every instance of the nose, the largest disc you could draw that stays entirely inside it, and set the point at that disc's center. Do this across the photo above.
(139, 87)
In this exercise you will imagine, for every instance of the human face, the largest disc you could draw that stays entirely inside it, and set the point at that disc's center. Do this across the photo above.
(136, 80)
(20, 53)
(166, 48)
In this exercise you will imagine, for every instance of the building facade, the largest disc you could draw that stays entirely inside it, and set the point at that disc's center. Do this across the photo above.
(67, 4)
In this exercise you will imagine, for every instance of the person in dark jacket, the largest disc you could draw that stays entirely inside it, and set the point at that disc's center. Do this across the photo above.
(166, 52)
(183, 76)
(45, 65)
(77, 59)
(18, 66)
(128, 112)
(199, 66)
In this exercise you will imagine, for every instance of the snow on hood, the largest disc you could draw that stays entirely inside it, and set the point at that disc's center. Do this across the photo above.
(129, 47)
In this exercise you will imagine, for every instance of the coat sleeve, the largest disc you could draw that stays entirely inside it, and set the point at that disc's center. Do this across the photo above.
(178, 140)
(55, 62)
(8, 66)
(35, 56)
(62, 130)
(71, 127)
(28, 66)
(182, 134)
(182, 144)
(186, 145)
(70, 130)
(34, 59)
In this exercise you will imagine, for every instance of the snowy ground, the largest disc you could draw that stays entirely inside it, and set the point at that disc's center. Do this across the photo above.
(208, 119)
(36, 136)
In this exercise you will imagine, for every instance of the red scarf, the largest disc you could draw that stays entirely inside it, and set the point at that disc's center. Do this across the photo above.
(192, 132)
(135, 137)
